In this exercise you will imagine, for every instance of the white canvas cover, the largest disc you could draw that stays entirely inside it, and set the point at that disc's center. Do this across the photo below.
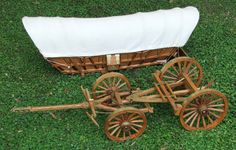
(68, 37)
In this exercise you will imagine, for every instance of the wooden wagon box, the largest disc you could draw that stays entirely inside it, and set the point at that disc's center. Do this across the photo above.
(83, 45)
(105, 63)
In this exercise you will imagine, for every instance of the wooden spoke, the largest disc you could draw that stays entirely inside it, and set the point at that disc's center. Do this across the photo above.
(194, 105)
(115, 122)
(114, 131)
(123, 84)
(104, 83)
(192, 108)
(122, 117)
(209, 118)
(168, 77)
(109, 84)
(189, 118)
(198, 120)
(137, 125)
(214, 114)
(214, 109)
(101, 87)
(188, 67)
(174, 69)
(192, 70)
(117, 118)
(193, 75)
(184, 66)
(180, 68)
(101, 96)
(134, 129)
(109, 81)
(193, 120)
(215, 101)
(124, 136)
(172, 74)
(216, 105)
(113, 126)
(137, 121)
(118, 133)
(204, 122)
(189, 113)
(124, 128)
(129, 134)
(134, 118)
(204, 110)
(131, 116)
(101, 91)
(117, 84)
(114, 81)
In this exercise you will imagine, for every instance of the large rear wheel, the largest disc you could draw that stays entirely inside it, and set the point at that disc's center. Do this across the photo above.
(172, 72)
(204, 110)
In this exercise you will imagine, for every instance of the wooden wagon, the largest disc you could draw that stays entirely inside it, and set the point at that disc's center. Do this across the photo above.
(82, 45)
(177, 83)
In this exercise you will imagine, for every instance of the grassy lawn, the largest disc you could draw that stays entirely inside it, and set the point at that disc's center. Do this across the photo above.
(27, 79)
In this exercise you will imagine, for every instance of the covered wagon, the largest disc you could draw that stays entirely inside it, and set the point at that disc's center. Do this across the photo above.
(82, 45)
(76, 45)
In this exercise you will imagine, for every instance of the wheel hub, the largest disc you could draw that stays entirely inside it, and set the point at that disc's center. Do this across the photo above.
(125, 126)
(203, 110)
(111, 90)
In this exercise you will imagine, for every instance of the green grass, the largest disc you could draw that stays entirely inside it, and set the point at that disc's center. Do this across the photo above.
(27, 79)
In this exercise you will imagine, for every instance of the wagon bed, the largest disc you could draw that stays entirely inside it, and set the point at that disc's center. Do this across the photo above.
(105, 63)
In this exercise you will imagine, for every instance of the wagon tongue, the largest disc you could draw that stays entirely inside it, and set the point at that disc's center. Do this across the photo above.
(21, 109)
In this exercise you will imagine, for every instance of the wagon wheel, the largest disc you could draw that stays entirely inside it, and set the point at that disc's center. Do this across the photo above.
(110, 83)
(172, 72)
(125, 123)
(204, 110)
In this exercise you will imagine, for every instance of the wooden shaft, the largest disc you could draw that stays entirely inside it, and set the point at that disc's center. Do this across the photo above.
(157, 98)
(190, 83)
(160, 92)
(106, 108)
(119, 100)
(153, 100)
(148, 91)
(150, 110)
(170, 90)
(181, 92)
(151, 90)
(171, 100)
(83, 105)
(48, 108)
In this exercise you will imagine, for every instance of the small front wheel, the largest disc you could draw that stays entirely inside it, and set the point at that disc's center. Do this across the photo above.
(109, 84)
(125, 123)
(204, 110)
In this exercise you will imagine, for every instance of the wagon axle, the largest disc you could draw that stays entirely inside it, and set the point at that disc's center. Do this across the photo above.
(177, 83)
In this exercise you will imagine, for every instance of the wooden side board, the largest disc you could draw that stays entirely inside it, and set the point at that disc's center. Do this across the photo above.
(105, 63)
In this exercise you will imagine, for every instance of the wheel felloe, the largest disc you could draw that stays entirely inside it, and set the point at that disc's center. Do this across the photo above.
(124, 124)
(204, 110)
